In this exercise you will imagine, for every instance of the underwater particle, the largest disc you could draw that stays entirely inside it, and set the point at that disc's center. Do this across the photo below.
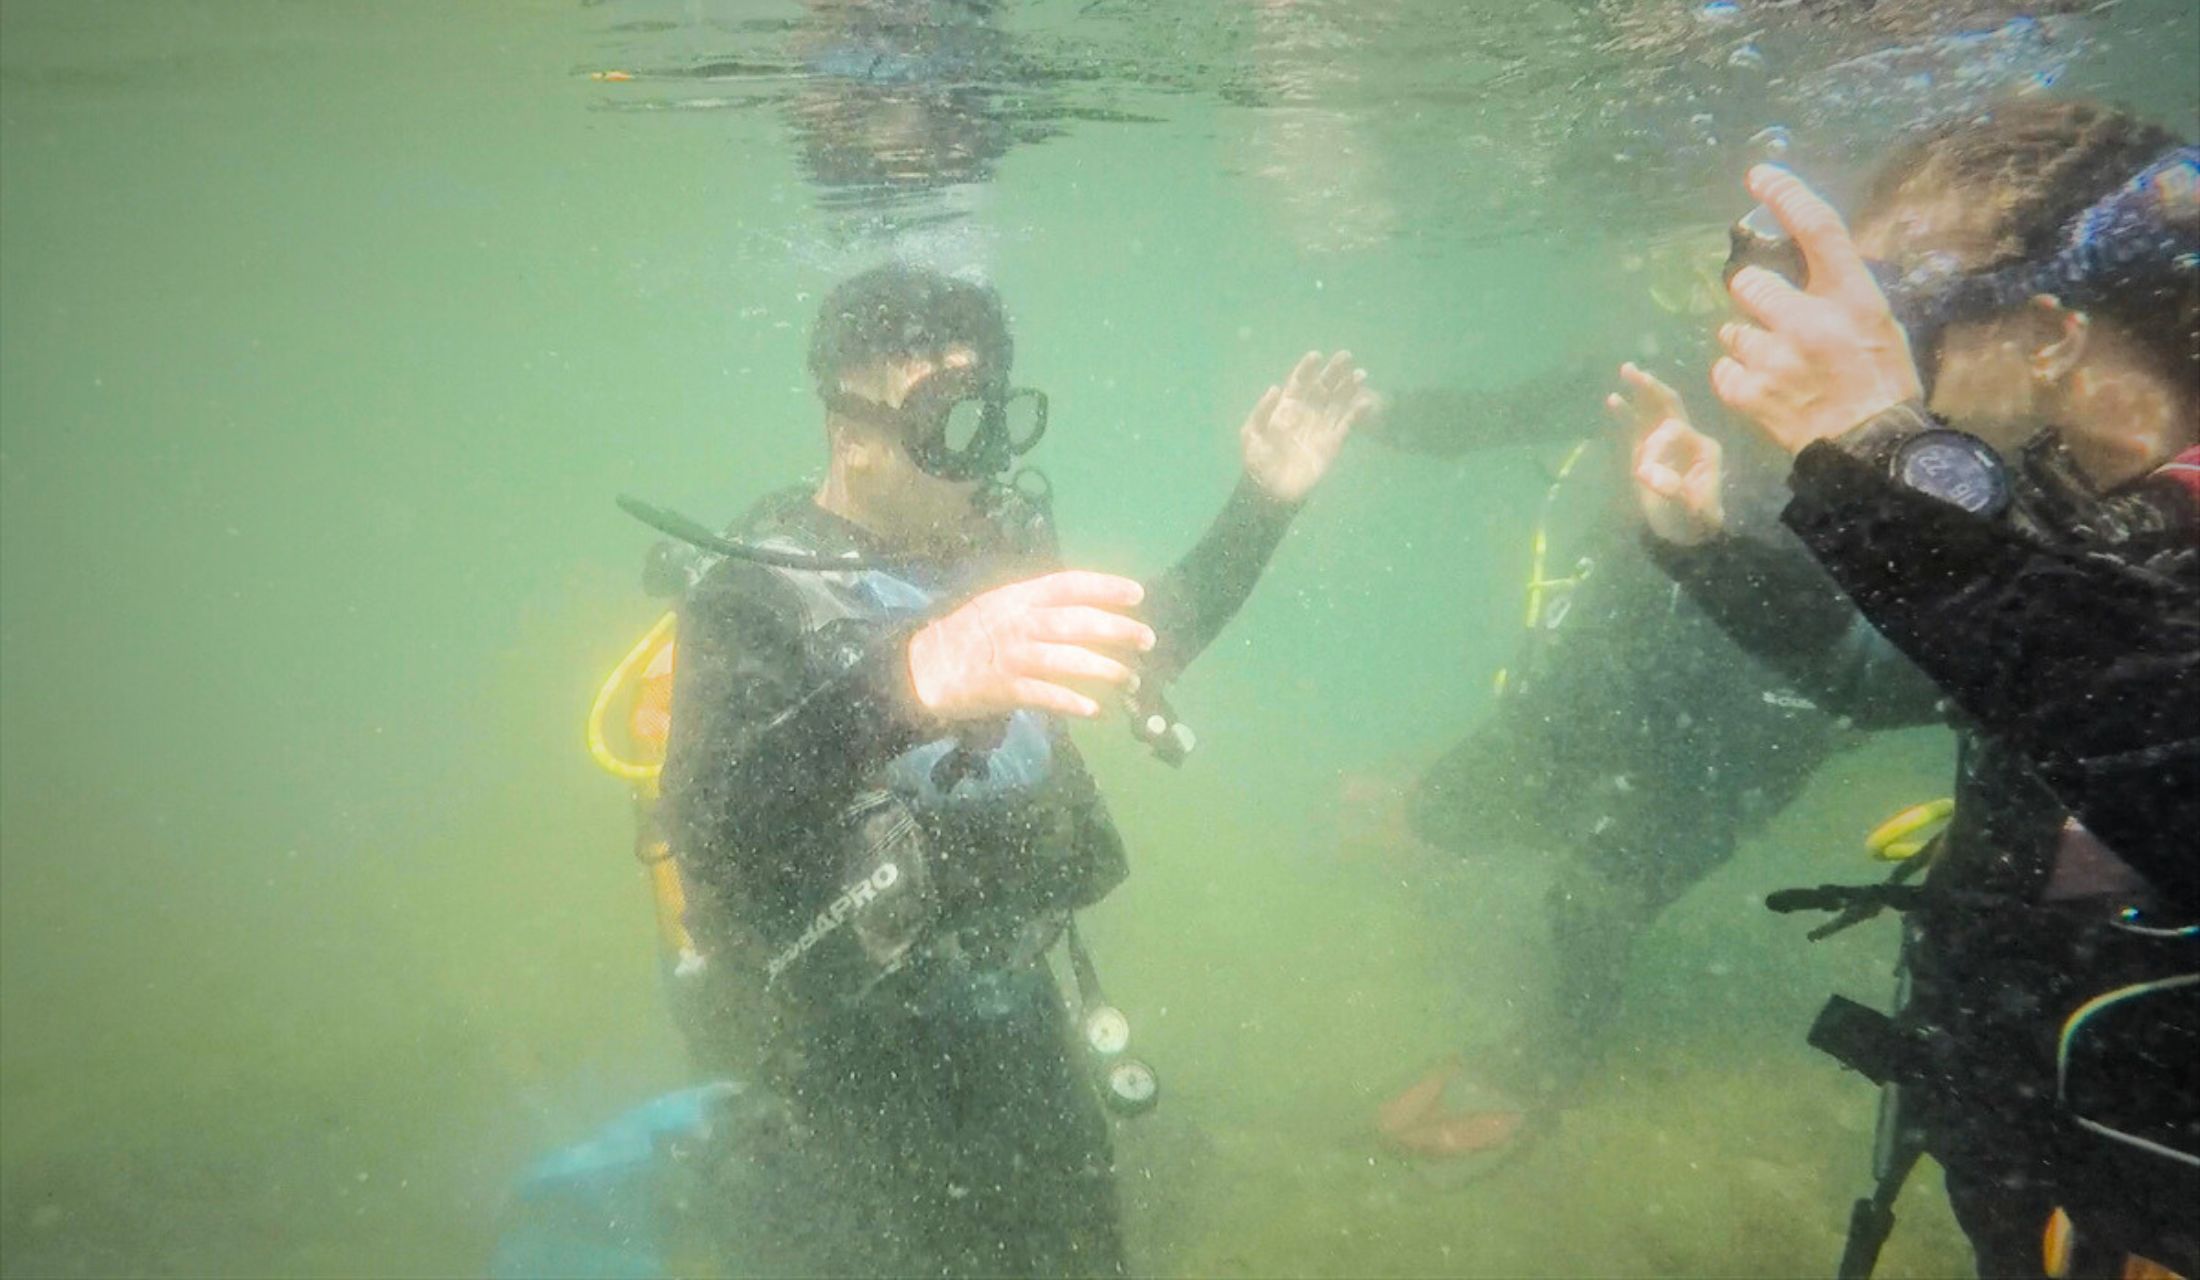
(1719, 12)
(1772, 142)
(1747, 57)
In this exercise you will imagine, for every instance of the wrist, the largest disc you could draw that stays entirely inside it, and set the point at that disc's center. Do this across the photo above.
(1691, 530)
(922, 670)
(1272, 492)
(1878, 436)
(1252, 489)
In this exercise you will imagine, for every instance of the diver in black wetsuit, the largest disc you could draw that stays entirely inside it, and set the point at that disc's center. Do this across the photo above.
(2052, 954)
(882, 821)
(1640, 745)
(1631, 739)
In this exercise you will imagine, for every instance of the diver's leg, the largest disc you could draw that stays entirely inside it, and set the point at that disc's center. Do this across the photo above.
(1031, 1188)
(1595, 920)
(1620, 879)
(1479, 794)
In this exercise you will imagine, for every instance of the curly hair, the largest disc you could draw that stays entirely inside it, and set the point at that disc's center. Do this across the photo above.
(2033, 165)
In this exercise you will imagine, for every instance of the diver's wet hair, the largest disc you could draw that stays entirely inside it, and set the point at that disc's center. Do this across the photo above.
(903, 312)
(2035, 164)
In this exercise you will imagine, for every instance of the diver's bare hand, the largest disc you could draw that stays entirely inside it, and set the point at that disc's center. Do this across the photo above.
(1820, 360)
(1678, 470)
(1023, 647)
(1295, 431)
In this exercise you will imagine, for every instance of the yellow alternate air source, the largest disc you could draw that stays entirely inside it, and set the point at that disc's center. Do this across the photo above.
(621, 689)
(1906, 834)
(621, 677)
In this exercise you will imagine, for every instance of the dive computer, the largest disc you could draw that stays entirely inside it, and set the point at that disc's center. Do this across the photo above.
(1954, 466)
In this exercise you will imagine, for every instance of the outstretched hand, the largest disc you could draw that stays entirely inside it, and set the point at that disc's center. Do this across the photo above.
(1819, 360)
(1295, 431)
(1029, 645)
(1678, 471)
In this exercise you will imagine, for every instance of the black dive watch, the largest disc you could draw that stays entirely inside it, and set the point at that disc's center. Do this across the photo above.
(1956, 467)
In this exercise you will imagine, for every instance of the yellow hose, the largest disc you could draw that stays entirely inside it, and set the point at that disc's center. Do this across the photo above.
(1906, 834)
(666, 892)
(635, 659)
(670, 897)
(1537, 583)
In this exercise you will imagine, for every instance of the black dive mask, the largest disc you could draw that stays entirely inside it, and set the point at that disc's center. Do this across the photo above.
(956, 424)
(2145, 235)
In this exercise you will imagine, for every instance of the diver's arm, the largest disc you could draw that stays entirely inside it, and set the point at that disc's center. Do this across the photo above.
(1777, 604)
(774, 729)
(1189, 606)
(1288, 442)
(1772, 601)
(2086, 663)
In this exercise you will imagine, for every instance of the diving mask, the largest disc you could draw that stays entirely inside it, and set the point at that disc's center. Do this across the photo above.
(957, 424)
(2143, 236)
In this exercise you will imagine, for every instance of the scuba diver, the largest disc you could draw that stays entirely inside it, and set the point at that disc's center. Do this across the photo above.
(2043, 265)
(1631, 740)
(880, 820)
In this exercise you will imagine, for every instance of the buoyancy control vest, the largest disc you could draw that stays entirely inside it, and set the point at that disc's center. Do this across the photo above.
(2027, 932)
(965, 849)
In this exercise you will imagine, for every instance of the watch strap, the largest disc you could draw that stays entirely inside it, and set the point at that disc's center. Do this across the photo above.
(1877, 438)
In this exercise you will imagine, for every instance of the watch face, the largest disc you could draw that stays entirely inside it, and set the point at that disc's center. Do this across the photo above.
(1955, 468)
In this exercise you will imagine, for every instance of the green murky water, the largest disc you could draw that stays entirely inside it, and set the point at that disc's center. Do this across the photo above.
(328, 330)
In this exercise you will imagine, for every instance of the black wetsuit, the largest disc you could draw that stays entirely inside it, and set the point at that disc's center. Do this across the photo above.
(2017, 927)
(876, 936)
(2083, 656)
(1636, 739)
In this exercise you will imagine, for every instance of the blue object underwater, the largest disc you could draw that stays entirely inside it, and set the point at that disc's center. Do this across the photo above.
(596, 1209)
